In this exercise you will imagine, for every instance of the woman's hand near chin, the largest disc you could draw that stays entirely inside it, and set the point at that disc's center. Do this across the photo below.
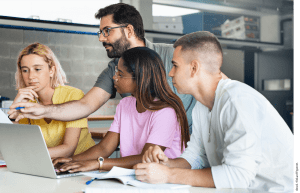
(24, 95)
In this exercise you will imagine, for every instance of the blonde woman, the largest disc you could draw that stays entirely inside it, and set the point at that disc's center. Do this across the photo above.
(40, 78)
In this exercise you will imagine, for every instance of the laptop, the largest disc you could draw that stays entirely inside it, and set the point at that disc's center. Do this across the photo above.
(24, 150)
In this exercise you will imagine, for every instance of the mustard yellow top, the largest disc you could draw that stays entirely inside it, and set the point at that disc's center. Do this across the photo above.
(54, 132)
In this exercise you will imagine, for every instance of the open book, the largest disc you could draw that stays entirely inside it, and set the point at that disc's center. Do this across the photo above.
(127, 177)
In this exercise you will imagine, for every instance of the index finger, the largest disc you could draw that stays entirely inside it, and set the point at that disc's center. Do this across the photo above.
(33, 92)
(27, 115)
(153, 154)
(69, 166)
(146, 155)
(12, 113)
(32, 87)
(140, 172)
(19, 117)
(141, 166)
(61, 160)
(22, 104)
(29, 90)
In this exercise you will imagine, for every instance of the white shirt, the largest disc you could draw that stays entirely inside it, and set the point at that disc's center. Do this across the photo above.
(250, 144)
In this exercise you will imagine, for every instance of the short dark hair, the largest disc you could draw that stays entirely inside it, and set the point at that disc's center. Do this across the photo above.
(124, 14)
(204, 43)
(196, 40)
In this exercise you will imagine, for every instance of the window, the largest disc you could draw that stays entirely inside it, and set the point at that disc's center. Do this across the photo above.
(277, 85)
(171, 11)
(75, 11)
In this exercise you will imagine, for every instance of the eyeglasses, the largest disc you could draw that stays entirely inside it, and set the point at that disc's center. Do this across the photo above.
(117, 71)
(105, 32)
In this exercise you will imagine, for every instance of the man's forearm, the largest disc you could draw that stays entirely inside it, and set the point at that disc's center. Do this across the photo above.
(181, 173)
(78, 109)
(68, 111)
(178, 163)
(202, 177)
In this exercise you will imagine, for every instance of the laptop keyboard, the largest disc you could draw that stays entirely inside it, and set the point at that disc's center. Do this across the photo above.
(65, 173)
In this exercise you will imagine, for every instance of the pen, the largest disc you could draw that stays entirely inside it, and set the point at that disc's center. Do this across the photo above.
(37, 100)
(18, 108)
(90, 181)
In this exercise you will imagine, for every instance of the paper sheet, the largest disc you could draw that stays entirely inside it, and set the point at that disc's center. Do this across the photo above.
(115, 172)
(133, 190)
(4, 118)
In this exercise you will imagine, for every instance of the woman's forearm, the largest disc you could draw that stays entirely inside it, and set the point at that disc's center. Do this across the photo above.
(92, 153)
(88, 165)
(61, 151)
(124, 162)
(104, 149)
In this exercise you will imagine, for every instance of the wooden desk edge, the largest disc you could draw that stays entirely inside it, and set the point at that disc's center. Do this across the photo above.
(100, 117)
(98, 133)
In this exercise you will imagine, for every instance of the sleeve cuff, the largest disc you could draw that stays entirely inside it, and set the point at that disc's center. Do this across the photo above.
(220, 177)
(195, 163)
(167, 144)
(81, 123)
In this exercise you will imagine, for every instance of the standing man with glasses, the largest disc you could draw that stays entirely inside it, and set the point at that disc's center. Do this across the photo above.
(121, 28)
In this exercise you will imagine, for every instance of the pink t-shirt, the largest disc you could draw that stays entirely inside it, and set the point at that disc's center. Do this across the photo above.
(136, 129)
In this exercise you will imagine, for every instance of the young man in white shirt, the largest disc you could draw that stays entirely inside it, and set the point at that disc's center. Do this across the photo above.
(239, 140)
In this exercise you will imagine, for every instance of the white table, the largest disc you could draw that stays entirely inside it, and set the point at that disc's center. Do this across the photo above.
(21, 183)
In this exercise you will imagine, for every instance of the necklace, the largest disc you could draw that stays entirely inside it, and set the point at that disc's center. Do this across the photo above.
(210, 121)
(211, 116)
(209, 126)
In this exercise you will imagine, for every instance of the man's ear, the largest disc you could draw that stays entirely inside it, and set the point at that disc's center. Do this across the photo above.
(130, 30)
(195, 66)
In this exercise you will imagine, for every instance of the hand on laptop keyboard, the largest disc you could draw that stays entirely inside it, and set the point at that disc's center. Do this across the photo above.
(57, 162)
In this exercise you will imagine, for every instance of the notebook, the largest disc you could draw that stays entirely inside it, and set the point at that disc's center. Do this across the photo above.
(24, 150)
(127, 177)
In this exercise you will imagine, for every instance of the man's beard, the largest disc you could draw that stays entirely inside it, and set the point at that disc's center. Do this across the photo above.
(118, 47)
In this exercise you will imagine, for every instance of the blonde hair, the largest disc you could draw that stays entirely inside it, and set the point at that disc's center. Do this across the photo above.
(59, 77)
